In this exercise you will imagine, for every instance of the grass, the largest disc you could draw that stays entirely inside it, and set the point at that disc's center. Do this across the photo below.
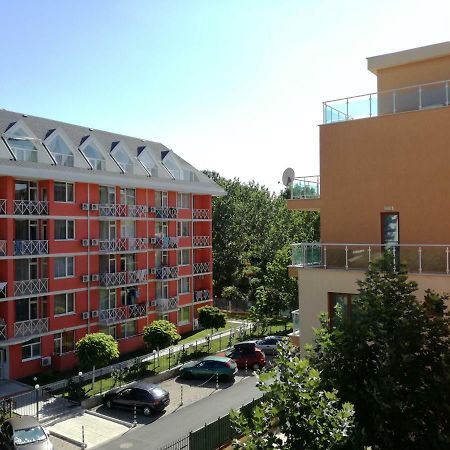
(202, 333)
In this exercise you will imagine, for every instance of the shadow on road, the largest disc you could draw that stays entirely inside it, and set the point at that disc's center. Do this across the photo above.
(205, 383)
(127, 415)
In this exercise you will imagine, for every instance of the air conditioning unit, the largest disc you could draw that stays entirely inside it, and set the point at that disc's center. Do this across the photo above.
(152, 271)
(85, 206)
(85, 242)
(46, 361)
(152, 240)
(95, 277)
(153, 303)
(152, 209)
(94, 242)
(94, 314)
(85, 315)
(94, 207)
(85, 278)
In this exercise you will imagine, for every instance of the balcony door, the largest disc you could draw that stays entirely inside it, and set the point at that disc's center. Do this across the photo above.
(390, 233)
(26, 190)
(4, 364)
(108, 230)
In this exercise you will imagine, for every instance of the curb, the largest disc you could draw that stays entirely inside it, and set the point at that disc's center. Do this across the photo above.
(67, 439)
(111, 419)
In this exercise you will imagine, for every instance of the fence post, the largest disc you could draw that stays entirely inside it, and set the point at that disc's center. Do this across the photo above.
(134, 417)
(220, 341)
(181, 402)
(83, 445)
(169, 358)
(36, 388)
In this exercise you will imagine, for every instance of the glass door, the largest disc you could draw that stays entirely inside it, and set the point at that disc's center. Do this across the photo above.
(390, 234)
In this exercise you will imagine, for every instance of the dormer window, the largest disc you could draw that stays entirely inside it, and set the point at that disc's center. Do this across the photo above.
(148, 162)
(123, 160)
(22, 145)
(94, 156)
(61, 151)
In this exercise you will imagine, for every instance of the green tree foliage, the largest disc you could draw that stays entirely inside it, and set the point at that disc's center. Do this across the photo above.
(96, 350)
(391, 359)
(252, 234)
(160, 334)
(211, 317)
(231, 293)
(295, 406)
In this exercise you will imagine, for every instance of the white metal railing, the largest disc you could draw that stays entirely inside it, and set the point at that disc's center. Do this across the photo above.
(3, 289)
(203, 267)
(200, 214)
(137, 210)
(164, 212)
(112, 210)
(166, 304)
(3, 331)
(305, 187)
(166, 242)
(137, 276)
(30, 247)
(29, 287)
(112, 245)
(3, 248)
(295, 321)
(410, 98)
(138, 310)
(113, 279)
(113, 315)
(2, 206)
(166, 272)
(31, 327)
(201, 295)
(419, 258)
(63, 159)
(201, 241)
(29, 207)
(137, 243)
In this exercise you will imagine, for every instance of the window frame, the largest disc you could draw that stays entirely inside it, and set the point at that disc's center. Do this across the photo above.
(29, 343)
(181, 260)
(332, 306)
(180, 284)
(65, 183)
(66, 230)
(179, 312)
(67, 312)
(181, 202)
(181, 228)
(66, 258)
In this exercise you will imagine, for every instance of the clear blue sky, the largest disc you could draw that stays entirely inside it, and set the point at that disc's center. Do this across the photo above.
(231, 86)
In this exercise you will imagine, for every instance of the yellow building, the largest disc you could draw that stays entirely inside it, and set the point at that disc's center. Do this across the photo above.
(384, 182)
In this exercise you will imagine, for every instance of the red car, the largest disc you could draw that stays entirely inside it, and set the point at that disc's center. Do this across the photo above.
(246, 356)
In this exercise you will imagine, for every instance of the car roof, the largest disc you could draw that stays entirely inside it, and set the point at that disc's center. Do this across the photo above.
(245, 343)
(143, 385)
(21, 423)
(216, 358)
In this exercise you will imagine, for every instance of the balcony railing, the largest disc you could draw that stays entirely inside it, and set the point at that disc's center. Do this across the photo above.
(2, 248)
(30, 287)
(2, 206)
(137, 243)
(137, 210)
(418, 258)
(306, 187)
(117, 315)
(113, 279)
(166, 242)
(166, 273)
(201, 241)
(112, 245)
(3, 332)
(166, 304)
(411, 98)
(3, 290)
(30, 208)
(31, 327)
(137, 276)
(164, 212)
(30, 247)
(112, 210)
(198, 268)
(200, 214)
(201, 295)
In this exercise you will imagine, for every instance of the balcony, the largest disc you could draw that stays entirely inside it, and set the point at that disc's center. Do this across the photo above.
(419, 258)
(200, 268)
(137, 243)
(3, 330)
(201, 241)
(30, 208)
(166, 273)
(305, 187)
(166, 304)
(411, 98)
(112, 245)
(201, 295)
(137, 276)
(31, 327)
(30, 287)
(112, 210)
(164, 212)
(201, 214)
(2, 248)
(117, 315)
(2, 206)
(166, 242)
(3, 290)
(137, 210)
(30, 247)
(113, 279)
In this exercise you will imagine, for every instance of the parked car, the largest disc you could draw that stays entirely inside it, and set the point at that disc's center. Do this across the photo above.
(269, 344)
(148, 398)
(246, 355)
(24, 433)
(207, 367)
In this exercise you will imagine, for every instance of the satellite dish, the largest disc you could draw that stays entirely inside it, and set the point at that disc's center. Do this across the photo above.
(288, 176)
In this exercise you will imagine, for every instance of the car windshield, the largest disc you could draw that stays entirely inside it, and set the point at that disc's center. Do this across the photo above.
(158, 392)
(29, 435)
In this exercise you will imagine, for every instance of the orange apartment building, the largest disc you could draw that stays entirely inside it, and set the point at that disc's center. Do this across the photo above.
(384, 183)
(98, 232)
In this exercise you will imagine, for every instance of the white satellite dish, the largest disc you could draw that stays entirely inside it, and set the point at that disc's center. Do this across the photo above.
(288, 176)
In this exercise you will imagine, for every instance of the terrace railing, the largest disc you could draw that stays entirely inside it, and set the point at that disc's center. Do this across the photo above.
(166, 242)
(201, 214)
(164, 212)
(166, 272)
(137, 210)
(166, 304)
(201, 241)
(30, 327)
(113, 279)
(30, 208)
(199, 268)
(112, 245)
(3, 330)
(2, 206)
(2, 248)
(30, 287)
(112, 210)
(201, 295)
(117, 315)
(30, 247)
(137, 276)
(137, 243)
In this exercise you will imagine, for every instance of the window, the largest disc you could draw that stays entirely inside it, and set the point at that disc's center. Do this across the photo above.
(161, 199)
(64, 229)
(184, 315)
(107, 299)
(129, 329)
(64, 342)
(61, 151)
(183, 200)
(111, 331)
(64, 192)
(127, 196)
(22, 146)
(31, 349)
(162, 289)
(183, 228)
(64, 304)
(340, 306)
(64, 267)
(183, 257)
(128, 295)
(107, 194)
(183, 285)
(94, 156)
(26, 190)
(127, 229)
(123, 160)
(26, 309)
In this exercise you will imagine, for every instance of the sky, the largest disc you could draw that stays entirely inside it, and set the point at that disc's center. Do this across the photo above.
(234, 86)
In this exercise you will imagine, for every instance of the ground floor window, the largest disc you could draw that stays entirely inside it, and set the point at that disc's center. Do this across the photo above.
(340, 305)
(184, 314)
(64, 342)
(31, 349)
(129, 329)
(111, 331)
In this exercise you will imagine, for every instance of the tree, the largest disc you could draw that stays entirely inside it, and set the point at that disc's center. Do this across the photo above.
(391, 359)
(160, 334)
(211, 317)
(296, 413)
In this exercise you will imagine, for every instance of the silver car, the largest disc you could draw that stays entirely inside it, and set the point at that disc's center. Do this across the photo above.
(269, 344)
(24, 433)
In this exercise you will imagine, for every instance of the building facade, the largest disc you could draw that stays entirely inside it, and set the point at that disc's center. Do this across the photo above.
(98, 232)
(383, 183)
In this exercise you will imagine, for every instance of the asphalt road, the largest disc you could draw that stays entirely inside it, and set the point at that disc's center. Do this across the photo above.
(178, 424)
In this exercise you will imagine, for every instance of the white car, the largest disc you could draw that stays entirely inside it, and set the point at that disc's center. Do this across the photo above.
(269, 344)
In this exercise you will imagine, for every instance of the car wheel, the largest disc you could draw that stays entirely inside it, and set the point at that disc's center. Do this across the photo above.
(255, 366)
(109, 404)
(147, 411)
